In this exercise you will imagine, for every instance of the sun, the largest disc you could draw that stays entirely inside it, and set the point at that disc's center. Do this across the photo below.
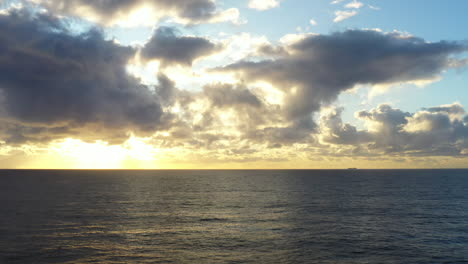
(97, 155)
(101, 155)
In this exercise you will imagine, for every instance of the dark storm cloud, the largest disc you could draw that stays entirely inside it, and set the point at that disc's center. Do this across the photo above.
(298, 131)
(226, 95)
(439, 131)
(273, 51)
(166, 89)
(17, 133)
(52, 78)
(193, 10)
(169, 48)
(318, 68)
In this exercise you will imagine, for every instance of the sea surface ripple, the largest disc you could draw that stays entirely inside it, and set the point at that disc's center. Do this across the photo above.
(286, 216)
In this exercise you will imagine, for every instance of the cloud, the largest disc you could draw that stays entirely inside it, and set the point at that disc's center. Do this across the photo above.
(343, 15)
(314, 70)
(232, 114)
(354, 4)
(313, 22)
(435, 131)
(228, 95)
(54, 82)
(298, 131)
(455, 109)
(137, 12)
(334, 131)
(272, 51)
(263, 4)
(336, 2)
(58, 84)
(170, 48)
(244, 110)
(165, 90)
(385, 118)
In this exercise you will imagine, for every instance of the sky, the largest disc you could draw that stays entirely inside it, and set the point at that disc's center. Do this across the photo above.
(224, 84)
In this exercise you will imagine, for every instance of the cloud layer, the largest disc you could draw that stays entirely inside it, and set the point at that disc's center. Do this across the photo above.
(54, 79)
(57, 84)
(434, 131)
(316, 69)
(146, 12)
(169, 48)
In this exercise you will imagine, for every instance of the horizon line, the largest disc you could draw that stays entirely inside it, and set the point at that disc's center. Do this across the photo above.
(346, 169)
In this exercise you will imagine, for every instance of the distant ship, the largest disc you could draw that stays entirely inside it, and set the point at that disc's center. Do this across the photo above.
(352, 168)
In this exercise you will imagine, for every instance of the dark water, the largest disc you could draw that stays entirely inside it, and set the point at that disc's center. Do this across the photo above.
(234, 216)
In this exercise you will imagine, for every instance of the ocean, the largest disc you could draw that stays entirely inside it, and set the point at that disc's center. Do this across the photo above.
(278, 216)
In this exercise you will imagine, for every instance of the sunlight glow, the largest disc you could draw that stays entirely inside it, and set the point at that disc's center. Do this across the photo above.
(98, 155)
(101, 155)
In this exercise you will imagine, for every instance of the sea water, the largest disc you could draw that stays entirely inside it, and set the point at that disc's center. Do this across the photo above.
(286, 216)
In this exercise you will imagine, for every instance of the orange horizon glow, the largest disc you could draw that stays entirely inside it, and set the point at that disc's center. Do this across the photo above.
(136, 154)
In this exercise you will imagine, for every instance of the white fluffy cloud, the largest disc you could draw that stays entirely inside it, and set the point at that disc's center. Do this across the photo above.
(341, 15)
(334, 2)
(263, 4)
(354, 4)
(435, 131)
